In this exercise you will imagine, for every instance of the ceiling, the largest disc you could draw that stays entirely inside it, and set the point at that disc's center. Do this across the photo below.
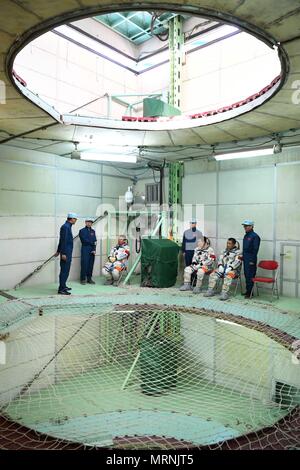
(23, 124)
(136, 26)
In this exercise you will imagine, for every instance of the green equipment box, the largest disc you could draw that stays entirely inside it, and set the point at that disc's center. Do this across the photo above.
(155, 108)
(158, 364)
(159, 262)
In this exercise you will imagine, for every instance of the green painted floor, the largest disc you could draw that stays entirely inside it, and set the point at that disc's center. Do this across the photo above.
(77, 289)
(209, 409)
(283, 314)
(288, 304)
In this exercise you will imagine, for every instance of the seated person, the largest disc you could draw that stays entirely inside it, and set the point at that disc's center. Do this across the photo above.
(117, 260)
(229, 264)
(202, 263)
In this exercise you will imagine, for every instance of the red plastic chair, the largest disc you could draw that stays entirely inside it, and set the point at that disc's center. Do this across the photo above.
(268, 265)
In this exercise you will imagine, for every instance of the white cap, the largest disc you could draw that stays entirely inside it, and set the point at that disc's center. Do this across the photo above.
(72, 215)
(89, 219)
(248, 222)
(193, 221)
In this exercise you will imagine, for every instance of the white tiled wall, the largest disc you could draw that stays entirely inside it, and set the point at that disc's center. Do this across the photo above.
(68, 76)
(37, 191)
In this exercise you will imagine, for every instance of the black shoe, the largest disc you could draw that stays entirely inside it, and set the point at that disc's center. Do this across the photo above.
(64, 292)
(90, 281)
(68, 288)
(247, 295)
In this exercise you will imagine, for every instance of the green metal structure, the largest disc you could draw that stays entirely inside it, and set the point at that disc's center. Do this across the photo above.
(176, 42)
(176, 172)
(129, 106)
(168, 327)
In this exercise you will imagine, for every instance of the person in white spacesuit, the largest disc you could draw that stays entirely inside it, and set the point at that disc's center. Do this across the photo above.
(202, 263)
(229, 264)
(117, 260)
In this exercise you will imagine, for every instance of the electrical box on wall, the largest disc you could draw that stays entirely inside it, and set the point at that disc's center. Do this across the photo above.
(152, 193)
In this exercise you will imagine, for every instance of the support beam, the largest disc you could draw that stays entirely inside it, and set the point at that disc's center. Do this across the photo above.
(155, 318)
(176, 43)
(175, 196)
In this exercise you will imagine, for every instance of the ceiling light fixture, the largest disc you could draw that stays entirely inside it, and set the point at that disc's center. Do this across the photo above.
(108, 157)
(75, 155)
(219, 320)
(96, 146)
(277, 147)
(244, 154)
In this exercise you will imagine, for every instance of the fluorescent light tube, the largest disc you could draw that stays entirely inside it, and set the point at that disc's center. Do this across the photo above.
(2, 352)
(219, 320)
(108, 157)
(245, 154)
(96, 147)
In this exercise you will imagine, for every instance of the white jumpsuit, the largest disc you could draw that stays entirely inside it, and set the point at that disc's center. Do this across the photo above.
(229, 263)
(113, 269)
(202, 263)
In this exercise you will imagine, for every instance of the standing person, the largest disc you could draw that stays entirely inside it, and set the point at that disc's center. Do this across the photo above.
(251, 244)
(88, 240)
(190, 241)
(65, 250)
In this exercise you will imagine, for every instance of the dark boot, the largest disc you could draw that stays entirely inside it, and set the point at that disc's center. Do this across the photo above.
(64, 292)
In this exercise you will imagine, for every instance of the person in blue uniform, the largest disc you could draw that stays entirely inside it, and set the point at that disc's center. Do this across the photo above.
(65, 250)
(88, 240)
(251, 244)
(190, 240)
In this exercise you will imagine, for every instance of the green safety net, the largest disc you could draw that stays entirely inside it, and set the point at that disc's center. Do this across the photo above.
(96, 374)
(159, 262)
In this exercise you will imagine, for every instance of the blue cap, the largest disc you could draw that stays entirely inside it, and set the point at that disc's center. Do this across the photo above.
(193, 221)
(72, 215)
(248, 222)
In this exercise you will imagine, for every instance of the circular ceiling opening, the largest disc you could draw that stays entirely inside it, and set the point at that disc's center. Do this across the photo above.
(153, 70)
